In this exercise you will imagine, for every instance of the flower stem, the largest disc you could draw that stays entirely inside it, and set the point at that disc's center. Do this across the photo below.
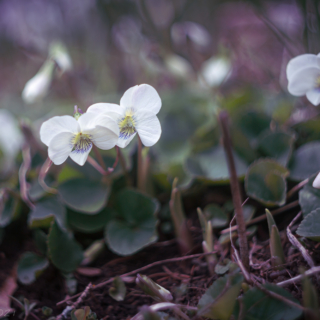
(42, 175)
(97, 166)
(124, 167)
(235, 189)
(140, 178)
(99, 158)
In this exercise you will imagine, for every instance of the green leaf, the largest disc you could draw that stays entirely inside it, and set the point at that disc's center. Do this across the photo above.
(40, 240)
(257, 305)
(309, 296)
(137, 227)
(310, 226)
(30, 266)
(223, 266)
(212, 166)
(89, 223)
(218, 217)
(309, 198)
(118, 289)
(9, 206)
(265, 182)
(84, 195)
(276, 145)
(64, 252)
(213, 305)
(68, 173)
(305, 161)
(47, 210)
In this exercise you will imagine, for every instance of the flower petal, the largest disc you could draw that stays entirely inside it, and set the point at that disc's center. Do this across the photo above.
(80, 157)
(303, 80)
(105, 134)
(148, 127)
(99, 108)
(122, 143)
(314, 96)
(56, 125)
(87, 121)
(126, 100)
(316, 182)
(301, 62)
(60, 147)
(147, 98)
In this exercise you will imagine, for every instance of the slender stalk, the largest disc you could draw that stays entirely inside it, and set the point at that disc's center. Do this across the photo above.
(124, 167)
(96, 165)
(42, 175)
(140, 177)
(235, 190)
(297, 188)
(99, 157)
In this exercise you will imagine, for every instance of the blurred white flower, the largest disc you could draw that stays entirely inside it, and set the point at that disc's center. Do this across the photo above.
(73, 136)
(38, 86)
(178, 66)
(59, 53)
(316, 182)
(303, 74)
(136, 114)
(10, 139)
(215, 71)
(197, 33)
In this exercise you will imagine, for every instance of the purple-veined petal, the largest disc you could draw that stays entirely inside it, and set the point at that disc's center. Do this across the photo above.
(123, 142)
(80, 157)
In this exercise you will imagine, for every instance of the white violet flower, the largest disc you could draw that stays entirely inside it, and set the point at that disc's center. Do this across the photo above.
(303, 74)
(73, 136)
(137, 113)
(316, 182)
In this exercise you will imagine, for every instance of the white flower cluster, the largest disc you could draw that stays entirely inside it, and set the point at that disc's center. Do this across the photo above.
(105, 125)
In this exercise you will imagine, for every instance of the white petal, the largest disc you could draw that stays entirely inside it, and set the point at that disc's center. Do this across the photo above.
(60, 147)
(80, 157)
(122, 143)
(148, 127)
(105, 134)
(126, 100)
(314, 96)
(146, 98)
(303, 81)
(301, 62)
(316, 182)
(87, 121)
(56, 125)
(100, 108)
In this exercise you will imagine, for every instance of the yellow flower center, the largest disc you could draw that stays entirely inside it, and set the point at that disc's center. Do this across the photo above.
(81, 142)
(127, 125)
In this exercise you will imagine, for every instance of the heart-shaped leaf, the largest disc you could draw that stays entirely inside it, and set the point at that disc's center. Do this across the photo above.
(30, 266)
(64, 252)
(265, 182)
(137, 227)
(305, 161)
(90, 223)
(212, 166)
(310, 226)
(257, 305)
(84, 195)
(46, 211)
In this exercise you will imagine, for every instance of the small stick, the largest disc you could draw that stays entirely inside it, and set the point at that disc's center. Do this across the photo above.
(294, 241)
(42, 175)
(310, 272)
(24, 168)
(235, 190)
(297, 188)
(263, 217)
(157, 263)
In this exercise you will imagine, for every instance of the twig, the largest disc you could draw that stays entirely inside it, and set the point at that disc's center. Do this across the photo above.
(294, 241)
(263, 217)
(42, 175)
(310, 272)
(297, 188)
(68, 309)
(157, 263)
(235, 190)
(25, 166)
